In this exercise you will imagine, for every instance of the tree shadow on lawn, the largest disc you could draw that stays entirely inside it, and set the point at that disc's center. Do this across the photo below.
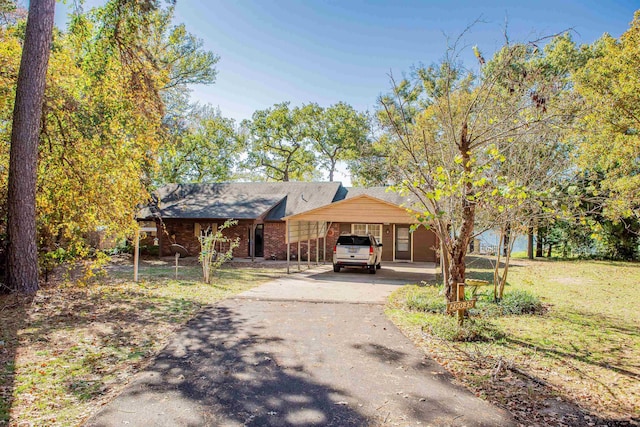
(570, 408)
(96, 333)
(619, 360)
(474, 262)
(220, 372)
(609, 328)
(12, 319)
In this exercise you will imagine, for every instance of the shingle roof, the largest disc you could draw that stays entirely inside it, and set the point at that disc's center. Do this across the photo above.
(242, 200)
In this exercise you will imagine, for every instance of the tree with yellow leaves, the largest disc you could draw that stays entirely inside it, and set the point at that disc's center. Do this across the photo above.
(610, 135)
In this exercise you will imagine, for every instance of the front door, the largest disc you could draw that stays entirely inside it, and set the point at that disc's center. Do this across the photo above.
(403, 243)
(259, 240)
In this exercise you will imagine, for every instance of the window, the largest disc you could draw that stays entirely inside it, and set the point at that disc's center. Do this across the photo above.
(202, 229)
(403, 239)
(375, 229)
(354, 240)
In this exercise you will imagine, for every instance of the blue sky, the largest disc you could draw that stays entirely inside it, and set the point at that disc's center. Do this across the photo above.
(328, 51)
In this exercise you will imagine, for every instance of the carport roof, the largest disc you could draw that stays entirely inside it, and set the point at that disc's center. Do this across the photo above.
(361, 208)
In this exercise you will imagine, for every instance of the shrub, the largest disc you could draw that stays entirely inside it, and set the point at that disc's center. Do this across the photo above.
(426, 299)
(212, 255)
(520, 302)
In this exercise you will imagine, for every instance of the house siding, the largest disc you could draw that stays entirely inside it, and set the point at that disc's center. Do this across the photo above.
(424, 242)
(342, 211)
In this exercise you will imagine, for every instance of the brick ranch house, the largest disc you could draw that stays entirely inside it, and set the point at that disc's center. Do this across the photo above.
(280, 219)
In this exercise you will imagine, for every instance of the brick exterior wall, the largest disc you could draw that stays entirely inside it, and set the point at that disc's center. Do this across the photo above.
(274, 240)
(182, 233)
(332, 238)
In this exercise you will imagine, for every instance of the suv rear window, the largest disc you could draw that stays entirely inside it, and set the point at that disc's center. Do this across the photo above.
(354, 240)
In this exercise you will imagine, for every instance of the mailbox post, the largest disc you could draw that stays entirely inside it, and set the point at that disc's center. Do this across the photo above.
(460, 305)
(460, 299)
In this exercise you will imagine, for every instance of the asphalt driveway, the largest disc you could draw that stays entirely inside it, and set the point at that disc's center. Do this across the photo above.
(273, 359)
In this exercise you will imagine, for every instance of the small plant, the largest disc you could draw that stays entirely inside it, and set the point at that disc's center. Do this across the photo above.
(519, 302)
(426, 299)
(474, 329)
(212, 255)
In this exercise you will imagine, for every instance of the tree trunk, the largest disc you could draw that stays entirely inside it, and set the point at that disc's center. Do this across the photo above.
(549, 250)
(444, 263)
(459, 250)
(22, 254)
(332, 170)
(496, 268)
(530, 243)
(539, 240)
(505, 243)
(505, 270)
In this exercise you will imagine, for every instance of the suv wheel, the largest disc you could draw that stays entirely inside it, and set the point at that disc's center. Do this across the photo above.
(336, 268)
(372, 269)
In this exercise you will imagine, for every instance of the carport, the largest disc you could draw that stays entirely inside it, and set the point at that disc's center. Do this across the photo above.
(314, 225)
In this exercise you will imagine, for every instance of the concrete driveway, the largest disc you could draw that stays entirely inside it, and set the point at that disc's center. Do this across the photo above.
(350, 285)
(280, 355)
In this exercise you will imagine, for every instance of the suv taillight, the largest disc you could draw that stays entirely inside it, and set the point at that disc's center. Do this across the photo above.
(370, 249)
(334, 249)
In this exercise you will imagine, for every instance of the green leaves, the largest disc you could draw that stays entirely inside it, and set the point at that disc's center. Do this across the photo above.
(609, 84)
(278, 145)
(202, 146)
(102, 124)
(301, 143)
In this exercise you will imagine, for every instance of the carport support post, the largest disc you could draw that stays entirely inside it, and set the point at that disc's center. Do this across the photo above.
(317, 243)
(308, 245)
(299, 246)
(288, 240)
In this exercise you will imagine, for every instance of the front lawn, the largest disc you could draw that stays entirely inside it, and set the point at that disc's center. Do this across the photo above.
(581, 352)
(74, 347)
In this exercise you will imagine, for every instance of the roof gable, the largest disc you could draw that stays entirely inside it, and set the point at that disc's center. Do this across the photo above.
(361, 208)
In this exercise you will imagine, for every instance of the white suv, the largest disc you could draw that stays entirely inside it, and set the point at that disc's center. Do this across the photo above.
(352, 250)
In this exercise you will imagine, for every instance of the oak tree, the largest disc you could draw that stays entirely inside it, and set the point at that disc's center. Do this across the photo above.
(278, 146)
(335, 133)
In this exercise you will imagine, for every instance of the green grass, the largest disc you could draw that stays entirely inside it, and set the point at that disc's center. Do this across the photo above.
(74, 346)
(586, 344)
